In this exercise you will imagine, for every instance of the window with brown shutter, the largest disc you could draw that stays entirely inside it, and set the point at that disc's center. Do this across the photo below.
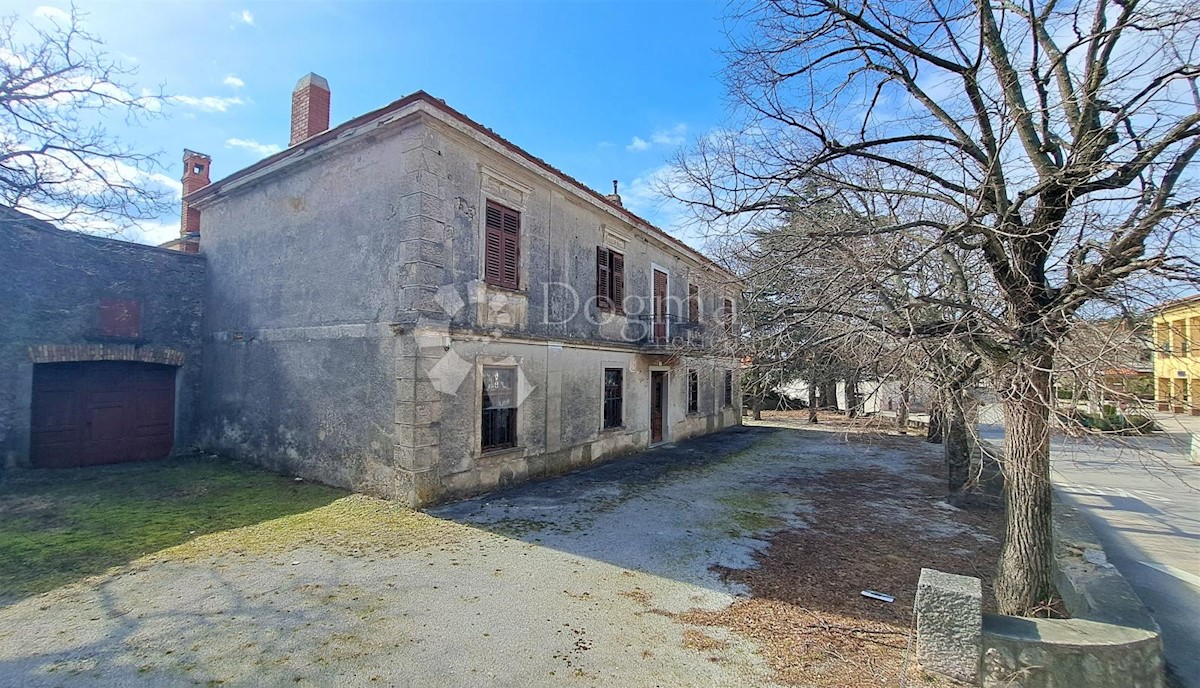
(693, 303)
(502, 246)
(610, 279)
(728, 316)
(603, 283)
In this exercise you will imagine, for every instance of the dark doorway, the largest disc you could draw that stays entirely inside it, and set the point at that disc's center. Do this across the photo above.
(658, 402)
(99, 412)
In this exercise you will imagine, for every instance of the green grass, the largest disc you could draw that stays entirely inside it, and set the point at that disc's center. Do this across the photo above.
(59, 526)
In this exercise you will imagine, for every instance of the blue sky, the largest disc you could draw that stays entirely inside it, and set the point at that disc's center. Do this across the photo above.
(602, 90)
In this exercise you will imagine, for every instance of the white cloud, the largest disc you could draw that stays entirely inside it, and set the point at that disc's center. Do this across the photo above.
(233, 81)
(253, 146)
(244, 17)
(153, 233)
(638, 144)
(52, 13)
(675, 136)
(670, 137)
(208, 103)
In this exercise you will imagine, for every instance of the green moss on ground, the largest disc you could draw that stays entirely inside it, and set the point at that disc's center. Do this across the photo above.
(58, 526)
(752, 512)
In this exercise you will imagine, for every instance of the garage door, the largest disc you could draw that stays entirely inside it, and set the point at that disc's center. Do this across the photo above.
(101, 412)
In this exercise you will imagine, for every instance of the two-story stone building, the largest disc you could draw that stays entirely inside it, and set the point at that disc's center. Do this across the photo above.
(409, 305)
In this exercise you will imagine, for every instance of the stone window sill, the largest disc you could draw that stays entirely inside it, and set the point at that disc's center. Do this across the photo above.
(502, 453)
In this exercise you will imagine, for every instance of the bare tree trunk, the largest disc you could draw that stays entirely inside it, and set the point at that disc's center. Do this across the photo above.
(758, 408)
(852, 396)
(902, 411)
(829, 398)
(812, 401)
(1024, 581)
(935, 430)
(957, 445)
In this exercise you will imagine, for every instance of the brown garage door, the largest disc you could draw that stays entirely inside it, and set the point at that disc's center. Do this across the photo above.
(101, 412)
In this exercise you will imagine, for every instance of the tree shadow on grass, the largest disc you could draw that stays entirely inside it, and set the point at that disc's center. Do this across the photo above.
(57, 526)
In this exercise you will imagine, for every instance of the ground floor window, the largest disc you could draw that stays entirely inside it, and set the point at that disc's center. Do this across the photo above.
(499, 408)
(729, 388)
(613, 398)
(693, 379)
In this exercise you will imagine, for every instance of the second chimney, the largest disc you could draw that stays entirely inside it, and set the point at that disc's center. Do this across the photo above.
(310, 108)
(195, 176)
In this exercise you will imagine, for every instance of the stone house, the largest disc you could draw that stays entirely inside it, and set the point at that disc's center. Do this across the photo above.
(409, 305)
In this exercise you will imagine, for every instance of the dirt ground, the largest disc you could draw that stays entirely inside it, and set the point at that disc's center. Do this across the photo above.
(866, 528)
(735, 559)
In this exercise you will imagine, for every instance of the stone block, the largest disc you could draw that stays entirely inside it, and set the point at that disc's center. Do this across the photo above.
(949, 610)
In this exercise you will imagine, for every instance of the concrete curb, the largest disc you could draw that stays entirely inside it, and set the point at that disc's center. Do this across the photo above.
(1111, 641)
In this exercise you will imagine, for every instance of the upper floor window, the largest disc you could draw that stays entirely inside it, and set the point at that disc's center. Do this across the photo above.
(728, 316)
(610, 279)
(693, 303)
(614, 398)
(502, 246)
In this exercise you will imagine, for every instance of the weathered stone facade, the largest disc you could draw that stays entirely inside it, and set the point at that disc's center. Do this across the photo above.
(53, 281)
(348, 321)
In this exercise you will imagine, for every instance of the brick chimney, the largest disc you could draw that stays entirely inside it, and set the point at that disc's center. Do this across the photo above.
(310, 108)
(195, 176)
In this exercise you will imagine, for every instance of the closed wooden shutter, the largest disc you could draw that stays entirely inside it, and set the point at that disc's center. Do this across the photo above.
(728, 316)
(618, 280)
(494, 241)
(512, 249)
(602, 281)
(502, 250)
(693, 303)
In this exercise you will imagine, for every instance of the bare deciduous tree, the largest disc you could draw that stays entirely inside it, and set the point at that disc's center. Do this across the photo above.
(57, 159)
(1051, 142)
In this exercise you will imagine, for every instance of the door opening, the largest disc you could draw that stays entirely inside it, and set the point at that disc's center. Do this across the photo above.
(658, 404)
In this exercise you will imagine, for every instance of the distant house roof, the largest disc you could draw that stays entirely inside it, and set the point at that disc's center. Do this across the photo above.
(1177, 303)
(281, 159)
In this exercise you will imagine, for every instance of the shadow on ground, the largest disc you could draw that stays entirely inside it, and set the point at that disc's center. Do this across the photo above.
(777, 528)
(57, 526)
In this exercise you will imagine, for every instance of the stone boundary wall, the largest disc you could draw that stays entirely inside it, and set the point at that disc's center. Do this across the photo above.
(52, 287)
(1111, 641)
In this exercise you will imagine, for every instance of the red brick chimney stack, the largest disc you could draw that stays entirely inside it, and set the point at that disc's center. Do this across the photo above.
(310, 108)
(195, 176)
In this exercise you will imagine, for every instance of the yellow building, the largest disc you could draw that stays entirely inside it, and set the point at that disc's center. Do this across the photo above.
(1177, 356)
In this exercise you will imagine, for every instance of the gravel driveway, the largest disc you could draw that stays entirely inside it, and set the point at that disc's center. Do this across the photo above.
(574, 581)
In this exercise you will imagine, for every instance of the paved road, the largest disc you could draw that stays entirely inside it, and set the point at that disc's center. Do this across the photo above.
(1142, 497)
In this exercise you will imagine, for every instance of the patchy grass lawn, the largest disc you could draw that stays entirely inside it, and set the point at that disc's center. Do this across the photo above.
(58, 526)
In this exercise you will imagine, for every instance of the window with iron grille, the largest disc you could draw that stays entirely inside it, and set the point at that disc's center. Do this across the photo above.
(729, 388)
(693, 379)
(610, 279)
(499, 408)
(502, 246)
(614, 397)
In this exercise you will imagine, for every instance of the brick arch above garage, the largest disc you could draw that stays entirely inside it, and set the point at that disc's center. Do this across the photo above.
(64, 353)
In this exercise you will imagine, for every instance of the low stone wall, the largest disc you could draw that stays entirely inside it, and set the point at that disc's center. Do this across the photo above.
(1111, 641)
